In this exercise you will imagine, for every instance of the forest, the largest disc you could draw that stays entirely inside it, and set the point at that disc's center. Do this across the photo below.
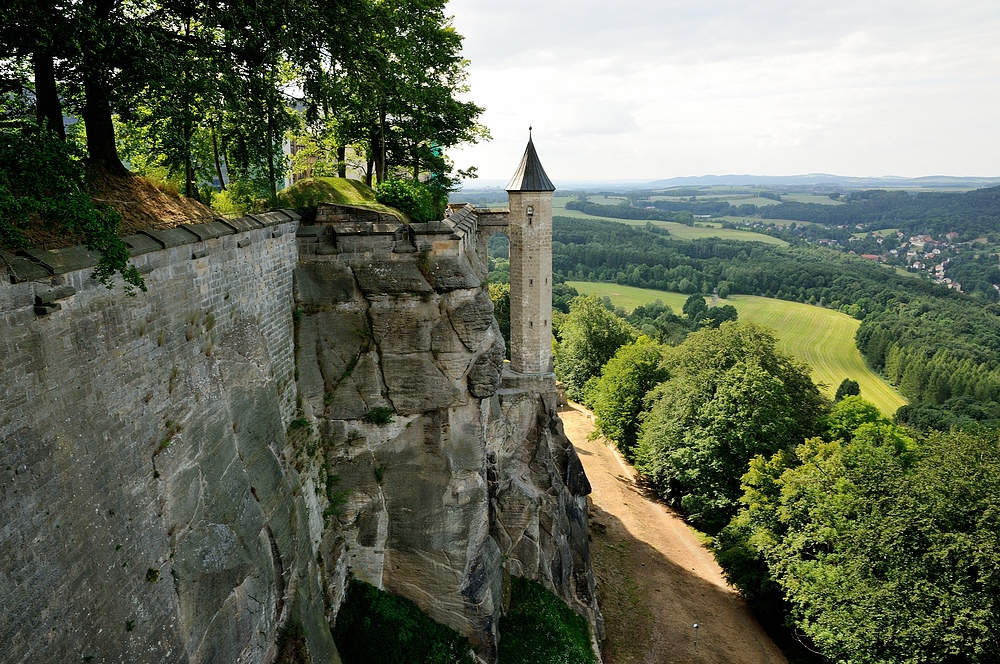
(939, 348)
(853, 537)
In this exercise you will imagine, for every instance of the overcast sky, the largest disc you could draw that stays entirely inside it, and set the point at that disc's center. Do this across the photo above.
(647, 89)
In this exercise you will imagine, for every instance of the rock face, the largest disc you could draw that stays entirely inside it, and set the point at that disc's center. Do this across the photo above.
(148, 510)
(187, 473)
(472, 479)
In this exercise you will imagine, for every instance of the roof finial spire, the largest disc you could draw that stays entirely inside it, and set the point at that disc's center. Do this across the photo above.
(529, 132)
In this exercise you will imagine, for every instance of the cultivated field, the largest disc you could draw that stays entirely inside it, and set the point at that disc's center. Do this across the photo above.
(703, 230)
(822, 338)
(680, 231)
(630, 297)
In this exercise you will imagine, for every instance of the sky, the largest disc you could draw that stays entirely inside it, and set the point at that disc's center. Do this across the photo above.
(646, 89)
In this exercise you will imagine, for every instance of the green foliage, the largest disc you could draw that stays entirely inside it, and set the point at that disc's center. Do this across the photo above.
(718, 315)
(42, 185)
(848, 414)
(500, 295)
(731, 396)
(695, 308)
(374, 627)
(540, 627)
(380, 415)
(590, 335)
(410, 197)
(848, 387)
(617, 396)
(885, 549)
(300, 424)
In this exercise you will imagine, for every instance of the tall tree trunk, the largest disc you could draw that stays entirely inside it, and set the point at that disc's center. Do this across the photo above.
(48, 110)
(96, 109)
(189, 186)
(269, 110)
(342, 161)
(380, 153)
(218, 164)
(189, 189)
(368, 172)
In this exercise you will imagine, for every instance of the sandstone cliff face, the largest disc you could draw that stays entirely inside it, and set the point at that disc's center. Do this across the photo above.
(472, 480)
(163, 500)
(147, 509)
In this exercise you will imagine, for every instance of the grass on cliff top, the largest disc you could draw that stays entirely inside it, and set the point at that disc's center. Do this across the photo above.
(822, 338)
(306, 194)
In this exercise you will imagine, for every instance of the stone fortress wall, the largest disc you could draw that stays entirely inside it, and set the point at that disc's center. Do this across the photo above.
(156, 500)
(147, 509)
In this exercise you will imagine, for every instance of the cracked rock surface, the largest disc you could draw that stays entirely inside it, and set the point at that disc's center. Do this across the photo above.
(470, 481)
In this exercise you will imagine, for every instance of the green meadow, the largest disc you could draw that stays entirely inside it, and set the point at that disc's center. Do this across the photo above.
(822, 338)
(680, 231)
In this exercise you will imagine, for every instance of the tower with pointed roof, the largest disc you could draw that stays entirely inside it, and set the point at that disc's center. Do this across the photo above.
(530, 231)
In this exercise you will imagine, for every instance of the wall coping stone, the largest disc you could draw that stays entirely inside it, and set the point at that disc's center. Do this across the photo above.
(29, 264)
(172, 237)
(208, 231)
(141, 244)
(243, 224)
(66, 259)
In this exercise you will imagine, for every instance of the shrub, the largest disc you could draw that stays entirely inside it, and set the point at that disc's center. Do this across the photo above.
(374, 627)
(409, 196)
(540, 627)
(42, 185)
(380, 415)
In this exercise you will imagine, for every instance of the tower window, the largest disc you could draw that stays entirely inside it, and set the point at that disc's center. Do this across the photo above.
(530, 324)
(531, 282)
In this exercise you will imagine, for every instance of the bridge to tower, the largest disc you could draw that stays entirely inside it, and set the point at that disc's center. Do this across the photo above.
(528, 225)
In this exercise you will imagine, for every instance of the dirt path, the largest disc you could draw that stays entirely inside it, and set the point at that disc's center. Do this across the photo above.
(655, 579)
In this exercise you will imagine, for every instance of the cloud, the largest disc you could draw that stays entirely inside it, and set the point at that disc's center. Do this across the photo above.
(665, 88)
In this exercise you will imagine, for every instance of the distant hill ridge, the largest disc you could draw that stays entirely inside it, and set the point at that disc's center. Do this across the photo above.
(826, 179)
(820, 180)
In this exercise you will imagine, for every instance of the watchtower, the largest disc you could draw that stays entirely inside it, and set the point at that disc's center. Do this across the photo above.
(529, 193)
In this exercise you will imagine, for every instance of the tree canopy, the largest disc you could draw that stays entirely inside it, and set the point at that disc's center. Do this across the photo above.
(589, 336)
(618, 396)
(885, 547)
(199, 91)
(731, 396)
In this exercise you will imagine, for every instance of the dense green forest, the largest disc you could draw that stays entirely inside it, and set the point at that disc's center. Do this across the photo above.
(939, 347)
(870, 541)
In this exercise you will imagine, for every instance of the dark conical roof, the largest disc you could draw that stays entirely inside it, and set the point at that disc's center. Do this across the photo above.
(530, 175)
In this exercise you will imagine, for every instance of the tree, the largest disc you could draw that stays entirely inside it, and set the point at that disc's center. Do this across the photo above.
(695, 308)
(847, 387)
(716, 316)
(590, 336)
(885, 548)
(731, 396)
(617, 396)
(42, 183)
(500, 294)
